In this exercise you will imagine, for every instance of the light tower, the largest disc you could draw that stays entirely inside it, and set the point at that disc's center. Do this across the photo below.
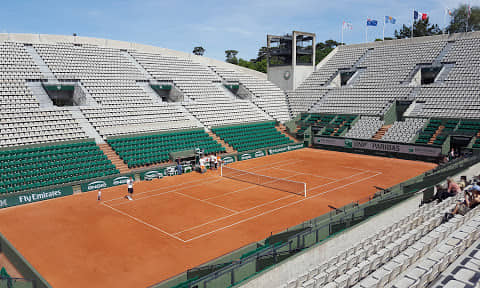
(290, 59)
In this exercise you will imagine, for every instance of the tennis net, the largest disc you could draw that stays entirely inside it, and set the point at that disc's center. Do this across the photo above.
(290, 186)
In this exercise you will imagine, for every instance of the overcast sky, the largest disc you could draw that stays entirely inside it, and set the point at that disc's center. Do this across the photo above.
(216, 25)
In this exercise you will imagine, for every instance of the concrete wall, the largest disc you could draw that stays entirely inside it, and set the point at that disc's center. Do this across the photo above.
(301, 263)
(301, 73)
(276, 75)
(53, 39)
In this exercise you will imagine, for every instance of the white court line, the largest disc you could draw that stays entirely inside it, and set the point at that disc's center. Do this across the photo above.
(246, 188)
(143, 222)
(288, 170)
(264, 204)
(238, 212)
(181, 185)
(204, 201)
(278, 208)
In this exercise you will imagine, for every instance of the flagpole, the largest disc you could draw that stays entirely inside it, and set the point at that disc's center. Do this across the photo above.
(342, 31)
(468, 16)
(444, 21)
(366, 30)
(413, 21)
(383, 38)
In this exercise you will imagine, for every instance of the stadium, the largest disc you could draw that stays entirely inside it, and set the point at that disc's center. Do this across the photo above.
(130, 165)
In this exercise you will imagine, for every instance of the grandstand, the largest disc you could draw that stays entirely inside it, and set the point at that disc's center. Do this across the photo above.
(79, 114)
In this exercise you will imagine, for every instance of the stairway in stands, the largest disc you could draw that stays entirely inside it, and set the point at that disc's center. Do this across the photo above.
(439, 130)
(223, 143)
(114, 158)
(283, 130)
(381, 132)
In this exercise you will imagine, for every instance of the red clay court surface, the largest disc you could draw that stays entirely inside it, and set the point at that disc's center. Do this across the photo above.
(180, 222)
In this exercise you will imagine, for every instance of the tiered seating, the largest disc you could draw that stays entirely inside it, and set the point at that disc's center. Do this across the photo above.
(391, 63)
(408, 253)
(454, 101)
(107, 75)
(467, 60)
(226, 112)
(138, 151)
(404, 131)
(301, 100)
(359, 101)
(476, 144)
(21, 120)
(345, 58)
(365, 127)
(196, 81)
(468, 127)
(112, 121)
(34, 126)
(436, 131)
(339, 125)
(252, 136)
(36, 167)
(266, 95)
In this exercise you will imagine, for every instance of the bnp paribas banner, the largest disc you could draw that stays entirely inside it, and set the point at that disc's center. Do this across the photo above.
(251, 155)
(25, 198)
(285, 148)
(379, 146)
(105, 183)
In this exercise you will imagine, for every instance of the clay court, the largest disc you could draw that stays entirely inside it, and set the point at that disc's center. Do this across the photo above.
(180, 222)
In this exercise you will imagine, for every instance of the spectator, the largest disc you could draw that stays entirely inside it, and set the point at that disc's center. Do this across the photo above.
(472, 199)
(453, 187)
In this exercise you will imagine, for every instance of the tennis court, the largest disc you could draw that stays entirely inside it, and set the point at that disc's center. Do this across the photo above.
(180, 222)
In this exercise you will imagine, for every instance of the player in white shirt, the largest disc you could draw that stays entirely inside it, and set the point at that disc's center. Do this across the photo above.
(213, 161)
(130, 188)
(99, 195)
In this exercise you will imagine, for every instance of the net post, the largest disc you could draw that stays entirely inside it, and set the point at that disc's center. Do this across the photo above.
(305, 189)
(221, 170)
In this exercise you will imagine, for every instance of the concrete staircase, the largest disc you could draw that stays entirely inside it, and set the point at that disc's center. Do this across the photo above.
(439, 130)
(116, 160)
(228, 148)
(381, 132)
(42, 66)
(42, 97)
(83, 122)
(283, 130)
(137, 65)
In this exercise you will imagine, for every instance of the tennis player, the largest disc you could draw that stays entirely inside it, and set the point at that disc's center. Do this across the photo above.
(130, 188)
(99, 195)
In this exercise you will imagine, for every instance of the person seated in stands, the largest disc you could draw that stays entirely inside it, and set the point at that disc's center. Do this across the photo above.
(453, 188)
(472, 199)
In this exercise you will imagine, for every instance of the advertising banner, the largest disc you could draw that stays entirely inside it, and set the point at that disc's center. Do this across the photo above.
(379, 146)
(25, 198)
(285, 148)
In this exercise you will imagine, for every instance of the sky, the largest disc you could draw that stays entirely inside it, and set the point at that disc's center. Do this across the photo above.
(216, 25)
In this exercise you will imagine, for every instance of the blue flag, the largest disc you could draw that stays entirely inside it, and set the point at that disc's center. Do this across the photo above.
(390, 19)
(371, 22)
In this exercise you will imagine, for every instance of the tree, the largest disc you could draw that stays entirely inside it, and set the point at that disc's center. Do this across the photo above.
(323, 49)
(199, 50)
(231, 56)
(262, 54)
(458, 20)
(422, 28)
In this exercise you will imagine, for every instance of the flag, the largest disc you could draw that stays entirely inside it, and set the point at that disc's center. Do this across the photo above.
(390, 19)
(371, 22)
(469, 11)
(449, 12)
(418, 15)
(347, 26)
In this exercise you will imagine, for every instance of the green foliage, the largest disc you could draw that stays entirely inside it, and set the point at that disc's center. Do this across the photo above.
(458, 21)
(422, 28)
(231, 56)
(199, 50)
(324, 48)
